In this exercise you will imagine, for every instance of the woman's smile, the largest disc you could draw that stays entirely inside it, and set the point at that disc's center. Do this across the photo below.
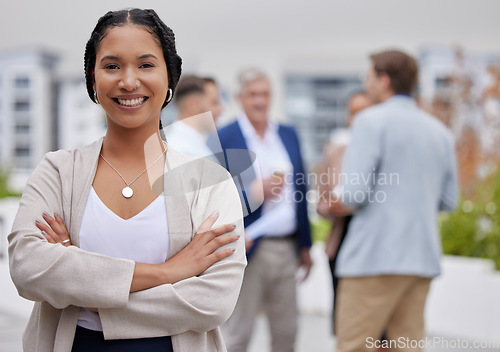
(131, 102)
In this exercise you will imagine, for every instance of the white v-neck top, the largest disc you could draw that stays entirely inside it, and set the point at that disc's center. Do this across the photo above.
(143, 238)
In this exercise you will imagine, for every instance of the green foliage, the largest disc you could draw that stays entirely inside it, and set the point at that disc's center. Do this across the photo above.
(320, 229)
(473, 229)
(4, 189)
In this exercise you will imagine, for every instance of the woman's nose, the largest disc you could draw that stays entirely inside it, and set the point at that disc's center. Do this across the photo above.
(129, 81)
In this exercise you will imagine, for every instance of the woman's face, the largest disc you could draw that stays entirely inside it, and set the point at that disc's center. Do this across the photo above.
(130, 77)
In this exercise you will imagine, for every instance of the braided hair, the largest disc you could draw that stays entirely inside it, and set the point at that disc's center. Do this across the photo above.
(153, 24)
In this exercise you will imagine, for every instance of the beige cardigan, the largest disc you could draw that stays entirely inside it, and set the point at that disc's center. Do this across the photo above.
(61, 280)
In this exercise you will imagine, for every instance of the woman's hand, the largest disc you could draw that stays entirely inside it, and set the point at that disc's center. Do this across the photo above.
(202, 252)
(194, 259)
(55, 231)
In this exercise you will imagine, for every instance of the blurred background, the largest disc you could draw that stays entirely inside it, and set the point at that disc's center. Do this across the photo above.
(316, 53)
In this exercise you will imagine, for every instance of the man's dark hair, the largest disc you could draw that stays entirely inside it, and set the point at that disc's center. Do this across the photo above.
(188, 85)
(209, 80)
(144, 18)
(401, 68)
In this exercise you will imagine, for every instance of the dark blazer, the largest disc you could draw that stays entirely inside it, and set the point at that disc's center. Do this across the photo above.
(232, 139)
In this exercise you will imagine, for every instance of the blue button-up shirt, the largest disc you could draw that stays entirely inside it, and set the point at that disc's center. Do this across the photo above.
(399, 171)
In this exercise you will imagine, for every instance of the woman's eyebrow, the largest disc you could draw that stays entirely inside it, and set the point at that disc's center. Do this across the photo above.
(113, 57)
(146, 56)
(110, 57)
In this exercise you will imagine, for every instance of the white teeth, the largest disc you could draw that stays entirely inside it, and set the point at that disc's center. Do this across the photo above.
(131, 102)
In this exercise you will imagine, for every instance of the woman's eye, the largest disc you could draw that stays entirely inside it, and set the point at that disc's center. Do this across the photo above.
(111, 67)
(147, 65)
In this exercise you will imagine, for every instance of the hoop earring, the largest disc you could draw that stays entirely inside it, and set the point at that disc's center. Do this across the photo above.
(170, 95)
(95, 97)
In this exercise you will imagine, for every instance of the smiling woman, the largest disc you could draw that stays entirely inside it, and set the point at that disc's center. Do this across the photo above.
(133, 253)
(131, 80)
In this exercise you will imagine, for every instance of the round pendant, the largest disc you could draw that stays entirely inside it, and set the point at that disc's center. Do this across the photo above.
(127, 192)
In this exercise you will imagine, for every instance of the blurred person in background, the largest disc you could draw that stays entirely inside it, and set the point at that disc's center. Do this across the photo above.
(332, 163)
(402, 171)
(280, 233)
(195, 122)
(212, 93)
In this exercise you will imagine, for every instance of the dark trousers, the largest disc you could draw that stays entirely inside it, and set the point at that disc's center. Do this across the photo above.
(93, 341)
(333, 262)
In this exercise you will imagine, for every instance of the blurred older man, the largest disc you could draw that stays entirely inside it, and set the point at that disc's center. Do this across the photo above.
(279, 229)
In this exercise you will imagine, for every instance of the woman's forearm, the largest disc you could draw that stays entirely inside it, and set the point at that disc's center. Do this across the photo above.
(146, 276)
(200, 254)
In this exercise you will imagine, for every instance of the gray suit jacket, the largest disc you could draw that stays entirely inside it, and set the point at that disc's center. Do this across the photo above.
(399, 170)
(61, 280)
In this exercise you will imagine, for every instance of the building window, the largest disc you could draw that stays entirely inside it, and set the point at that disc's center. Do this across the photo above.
(22, 82)
(317, 106)
(22, 151)
(22, 105)
(22, 128)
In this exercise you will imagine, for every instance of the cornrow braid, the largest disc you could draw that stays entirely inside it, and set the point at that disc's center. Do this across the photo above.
(162, 133)
(167, 37)
(91, 52)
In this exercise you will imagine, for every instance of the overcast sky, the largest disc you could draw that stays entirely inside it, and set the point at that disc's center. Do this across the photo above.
(295, 28)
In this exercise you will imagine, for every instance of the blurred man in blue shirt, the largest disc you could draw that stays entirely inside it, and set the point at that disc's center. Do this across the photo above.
(399, 171)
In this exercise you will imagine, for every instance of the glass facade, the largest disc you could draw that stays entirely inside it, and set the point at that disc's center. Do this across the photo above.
(316, 105)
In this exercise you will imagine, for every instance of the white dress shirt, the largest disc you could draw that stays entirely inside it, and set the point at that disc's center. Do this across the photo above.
(279, 215)
(185, 139)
